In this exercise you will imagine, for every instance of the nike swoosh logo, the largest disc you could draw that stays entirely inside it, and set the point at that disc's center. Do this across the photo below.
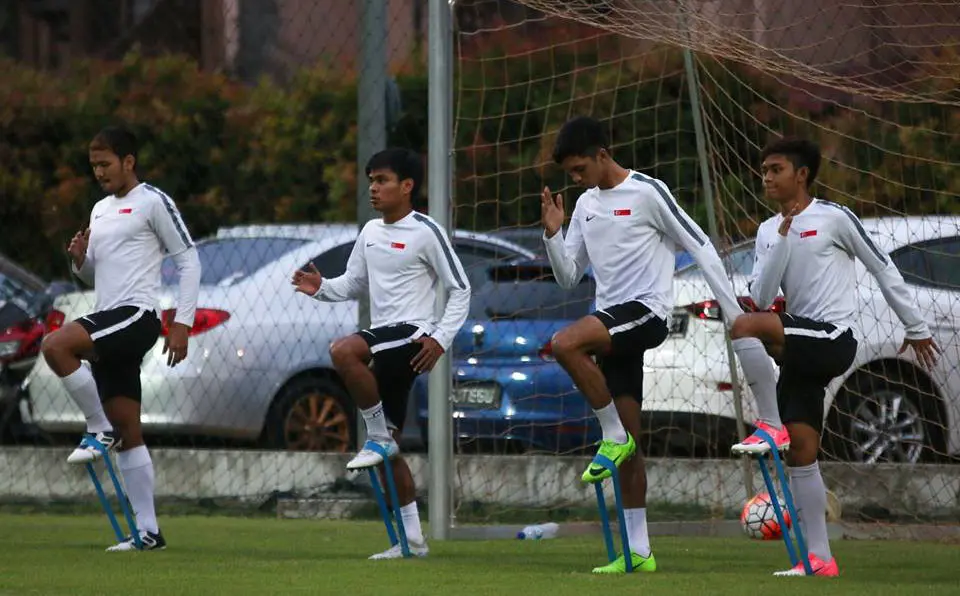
(589, 217)
(370, 243)
(97, 216)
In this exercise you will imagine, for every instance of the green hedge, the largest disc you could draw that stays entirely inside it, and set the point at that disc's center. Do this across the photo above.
(235, 154)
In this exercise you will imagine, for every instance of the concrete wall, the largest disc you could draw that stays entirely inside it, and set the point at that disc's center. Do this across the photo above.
(510, 481)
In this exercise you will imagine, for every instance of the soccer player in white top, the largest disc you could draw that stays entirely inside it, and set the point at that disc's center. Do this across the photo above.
(628, 226)
(120, 254)
(808, 251)
(401, 261)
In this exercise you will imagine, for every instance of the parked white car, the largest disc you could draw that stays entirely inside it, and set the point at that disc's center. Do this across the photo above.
(886, 408)
(258, 367)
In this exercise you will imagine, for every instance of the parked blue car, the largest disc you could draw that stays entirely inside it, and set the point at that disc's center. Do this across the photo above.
(508, 392)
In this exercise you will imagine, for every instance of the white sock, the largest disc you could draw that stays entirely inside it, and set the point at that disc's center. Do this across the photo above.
(637, 530)
(760, 376)
(137, 470)
(83, 389)
(610, 423)
(810, 497)
(411, 522)
(376, 423)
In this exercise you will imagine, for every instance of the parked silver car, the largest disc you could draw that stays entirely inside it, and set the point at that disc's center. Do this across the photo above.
(258, 368)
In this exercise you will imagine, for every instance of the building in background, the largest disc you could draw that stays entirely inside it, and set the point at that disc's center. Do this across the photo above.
(251, 38)
(247, 38)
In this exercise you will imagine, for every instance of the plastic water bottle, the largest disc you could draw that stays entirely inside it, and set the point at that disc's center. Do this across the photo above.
(539, 532)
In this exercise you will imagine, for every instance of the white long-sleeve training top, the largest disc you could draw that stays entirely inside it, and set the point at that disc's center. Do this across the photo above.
(129, 237)
(814, 266)
(402, 264)
(629, 235)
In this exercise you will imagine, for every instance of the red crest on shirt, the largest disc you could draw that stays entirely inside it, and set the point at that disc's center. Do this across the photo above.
(808, 233)
(126, 211)
(398, 245)
(619, 212)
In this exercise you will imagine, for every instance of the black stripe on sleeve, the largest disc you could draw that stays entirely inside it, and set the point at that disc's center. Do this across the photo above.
(856, 224)
(168, 203)
(443, 244)
(672, 207)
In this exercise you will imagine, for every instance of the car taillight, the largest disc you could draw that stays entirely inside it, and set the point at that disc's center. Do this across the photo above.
(21, 340)
(708, 309)
(205, 320)
(748, 305)
(54, 320)
(546, 352)
(33, 331)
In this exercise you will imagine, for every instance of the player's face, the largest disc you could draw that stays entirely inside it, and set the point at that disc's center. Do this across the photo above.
(585, 172)
(781, 180)
(111, 172)
(387, 192)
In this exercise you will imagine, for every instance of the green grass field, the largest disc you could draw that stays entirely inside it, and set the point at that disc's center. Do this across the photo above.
(52, 554)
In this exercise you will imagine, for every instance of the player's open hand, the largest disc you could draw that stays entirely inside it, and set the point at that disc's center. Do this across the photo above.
(78, 247)
(784, 228)
(551, 211)
(308, 280)
(175, 344)
(426, 358)
(926, 350)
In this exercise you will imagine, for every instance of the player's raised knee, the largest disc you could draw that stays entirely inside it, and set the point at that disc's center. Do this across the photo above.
(55, 346)
(741, 327)
(563, 344)
(345, 352)
(50, 344)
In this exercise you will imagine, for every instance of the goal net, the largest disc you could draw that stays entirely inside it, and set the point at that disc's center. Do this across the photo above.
(874, 83)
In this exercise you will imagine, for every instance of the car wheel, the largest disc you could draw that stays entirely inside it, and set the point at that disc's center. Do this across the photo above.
(312, 414)
(883, 418)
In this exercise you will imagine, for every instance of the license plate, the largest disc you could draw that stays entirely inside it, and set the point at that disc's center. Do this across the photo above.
(476, 396)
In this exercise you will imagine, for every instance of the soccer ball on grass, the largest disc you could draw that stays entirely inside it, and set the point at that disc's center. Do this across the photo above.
(759, 521)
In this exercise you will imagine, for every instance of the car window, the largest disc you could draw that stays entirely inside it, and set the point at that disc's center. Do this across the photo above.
(228, 260)
(333, 263)
(738, 261)
(529, 293)
(478, 258)
(16, 292)
(944, 261)
(475, 257)
(911, 262)
(933, 263)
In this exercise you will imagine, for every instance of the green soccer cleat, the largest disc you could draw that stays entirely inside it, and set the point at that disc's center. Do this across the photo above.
(647, 564)
(615, 452)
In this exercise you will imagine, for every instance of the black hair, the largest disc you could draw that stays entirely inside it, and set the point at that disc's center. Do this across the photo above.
(402, 162)
(580, 137)
(118, 139)
(800, 152)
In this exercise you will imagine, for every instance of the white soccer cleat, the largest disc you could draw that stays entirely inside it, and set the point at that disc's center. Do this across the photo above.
(148, 541)
(89, 448)
(369, 457)
(395, 552)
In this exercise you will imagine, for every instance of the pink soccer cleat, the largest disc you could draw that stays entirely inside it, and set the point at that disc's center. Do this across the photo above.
(754, 445)
(817, 565)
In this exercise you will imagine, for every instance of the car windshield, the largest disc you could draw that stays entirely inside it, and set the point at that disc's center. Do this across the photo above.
(15, 292)
(738, 261)
(530, 293)
(227, 261)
